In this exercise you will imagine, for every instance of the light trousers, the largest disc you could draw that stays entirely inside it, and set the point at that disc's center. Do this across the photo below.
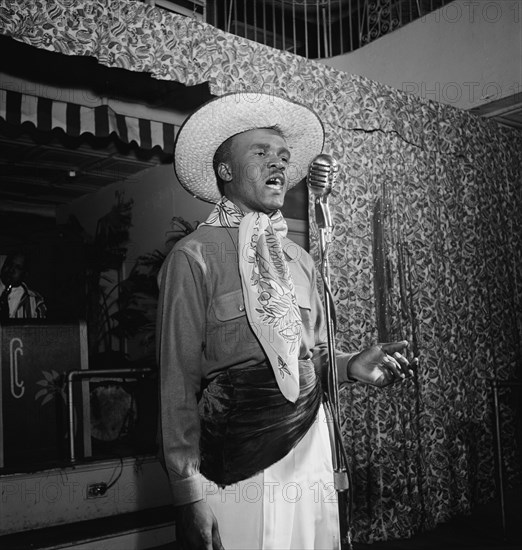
(292, 505)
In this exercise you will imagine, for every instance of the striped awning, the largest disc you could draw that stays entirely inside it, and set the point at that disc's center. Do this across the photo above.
(101, 121)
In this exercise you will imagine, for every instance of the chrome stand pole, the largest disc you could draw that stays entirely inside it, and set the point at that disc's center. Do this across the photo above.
(340, 468)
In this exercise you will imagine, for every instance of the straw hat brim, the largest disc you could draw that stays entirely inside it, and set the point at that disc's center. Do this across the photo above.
(214, 122)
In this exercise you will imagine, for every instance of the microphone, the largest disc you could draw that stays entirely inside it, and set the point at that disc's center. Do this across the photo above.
(321, 176)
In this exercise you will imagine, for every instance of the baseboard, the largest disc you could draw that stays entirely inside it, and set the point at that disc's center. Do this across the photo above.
(135, 531)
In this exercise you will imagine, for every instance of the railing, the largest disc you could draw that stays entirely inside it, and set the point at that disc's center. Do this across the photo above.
(315, 28)
(310, 28)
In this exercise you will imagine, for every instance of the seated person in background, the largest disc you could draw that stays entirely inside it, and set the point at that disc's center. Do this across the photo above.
(17, 300)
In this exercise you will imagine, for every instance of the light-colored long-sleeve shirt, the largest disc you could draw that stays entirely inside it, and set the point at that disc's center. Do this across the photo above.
(203, 330)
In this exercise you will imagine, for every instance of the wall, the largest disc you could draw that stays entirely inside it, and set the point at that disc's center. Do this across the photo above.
(465, 54)
(143, 207)
(157, 197)
(58, 496)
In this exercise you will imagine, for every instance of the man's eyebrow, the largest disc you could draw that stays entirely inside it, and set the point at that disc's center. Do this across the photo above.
(266, 146)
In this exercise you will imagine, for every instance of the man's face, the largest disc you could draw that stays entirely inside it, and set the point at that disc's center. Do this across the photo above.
(13, 270)
(255, 173)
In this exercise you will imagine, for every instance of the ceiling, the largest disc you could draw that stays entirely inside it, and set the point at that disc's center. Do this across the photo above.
(38, 177)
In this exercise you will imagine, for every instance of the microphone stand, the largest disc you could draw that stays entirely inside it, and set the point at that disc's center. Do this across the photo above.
(339, 459)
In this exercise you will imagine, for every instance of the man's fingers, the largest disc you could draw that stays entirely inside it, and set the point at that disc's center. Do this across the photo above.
(397, 363)
(403, 363)
(414, 363)
(391, 364)
(393, 347)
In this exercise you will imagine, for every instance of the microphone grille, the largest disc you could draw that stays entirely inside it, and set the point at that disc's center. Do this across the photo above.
(321, 173)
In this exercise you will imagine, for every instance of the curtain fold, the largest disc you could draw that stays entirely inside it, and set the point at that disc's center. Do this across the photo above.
(118, 33)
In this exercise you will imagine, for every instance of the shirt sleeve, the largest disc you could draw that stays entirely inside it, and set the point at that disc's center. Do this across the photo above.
(320, 355)
(181, 330)
(40, 308)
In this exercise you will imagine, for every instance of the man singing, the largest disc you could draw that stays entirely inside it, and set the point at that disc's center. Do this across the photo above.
(242, 340)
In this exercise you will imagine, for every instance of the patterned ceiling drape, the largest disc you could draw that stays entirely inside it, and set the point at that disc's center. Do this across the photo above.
(428, 246)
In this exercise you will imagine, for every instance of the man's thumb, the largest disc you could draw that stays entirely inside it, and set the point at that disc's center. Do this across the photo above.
(392, 347)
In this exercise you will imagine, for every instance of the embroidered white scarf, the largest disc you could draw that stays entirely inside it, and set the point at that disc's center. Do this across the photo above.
(268, 289)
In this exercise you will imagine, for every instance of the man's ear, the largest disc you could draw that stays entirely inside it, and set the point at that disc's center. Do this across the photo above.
(224, 171)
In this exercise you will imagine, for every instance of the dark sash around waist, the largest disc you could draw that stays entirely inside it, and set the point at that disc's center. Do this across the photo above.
(248, 425)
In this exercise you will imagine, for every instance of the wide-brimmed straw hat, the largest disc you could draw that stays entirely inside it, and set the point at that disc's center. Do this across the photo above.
(214, 122)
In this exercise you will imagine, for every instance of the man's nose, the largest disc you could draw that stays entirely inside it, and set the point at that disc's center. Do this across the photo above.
(277, 162)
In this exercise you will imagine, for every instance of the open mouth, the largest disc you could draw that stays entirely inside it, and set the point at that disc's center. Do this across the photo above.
(277, 181)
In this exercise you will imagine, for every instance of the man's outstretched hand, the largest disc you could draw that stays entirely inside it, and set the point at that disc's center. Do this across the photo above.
(382, 364)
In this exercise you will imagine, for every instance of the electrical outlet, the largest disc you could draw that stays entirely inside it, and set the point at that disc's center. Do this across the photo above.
(96, 490)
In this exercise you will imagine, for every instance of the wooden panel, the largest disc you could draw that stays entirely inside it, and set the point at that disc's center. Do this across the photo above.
(35, 358)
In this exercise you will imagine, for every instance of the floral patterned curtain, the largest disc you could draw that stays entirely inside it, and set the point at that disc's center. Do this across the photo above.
(449, 238)
(427, 246)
